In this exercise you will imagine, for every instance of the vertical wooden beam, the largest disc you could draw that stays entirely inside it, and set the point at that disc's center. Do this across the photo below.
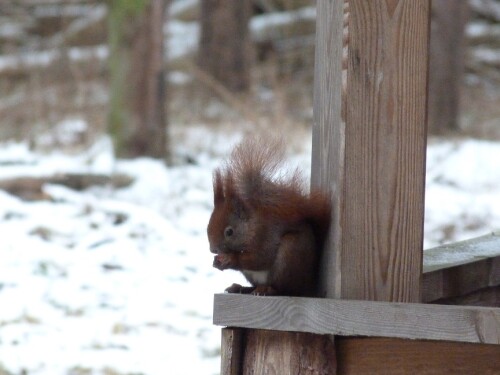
(329, 132)
(231, 354)
(372, 153)
(274, 352)
(369, 144)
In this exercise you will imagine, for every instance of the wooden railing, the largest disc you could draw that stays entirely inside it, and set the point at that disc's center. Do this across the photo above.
(476, 270)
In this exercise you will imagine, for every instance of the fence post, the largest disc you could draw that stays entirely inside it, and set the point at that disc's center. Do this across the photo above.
(369, 144)
(369, 147)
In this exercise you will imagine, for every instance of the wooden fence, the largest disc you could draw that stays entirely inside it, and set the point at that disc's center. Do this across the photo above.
(369, 142)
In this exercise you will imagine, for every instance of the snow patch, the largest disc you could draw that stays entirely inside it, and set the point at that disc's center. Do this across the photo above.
(123, 279)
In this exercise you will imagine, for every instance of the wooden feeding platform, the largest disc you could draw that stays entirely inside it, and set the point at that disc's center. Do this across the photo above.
(472, 277)
(387, 307)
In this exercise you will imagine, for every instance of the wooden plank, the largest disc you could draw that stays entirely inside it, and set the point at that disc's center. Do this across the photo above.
(461, 268)
(272, 352)
(462, 252)
(460, 280)
(372, 356)
(373, 158)
(385, 150)
(231, 355)
(359, 318)
(487, 297)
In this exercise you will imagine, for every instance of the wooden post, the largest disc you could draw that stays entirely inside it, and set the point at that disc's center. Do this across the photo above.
(369, 147)
(372, 153)
(231, 351)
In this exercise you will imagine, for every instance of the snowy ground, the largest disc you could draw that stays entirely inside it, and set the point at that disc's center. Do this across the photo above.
(120, 281)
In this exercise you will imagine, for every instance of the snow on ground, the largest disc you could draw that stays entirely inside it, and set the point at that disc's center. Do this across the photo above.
(462, 190)
(120, 281)
(108, 280)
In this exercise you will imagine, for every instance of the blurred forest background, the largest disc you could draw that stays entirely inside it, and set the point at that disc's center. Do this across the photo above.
(104, 261)
(130, 67)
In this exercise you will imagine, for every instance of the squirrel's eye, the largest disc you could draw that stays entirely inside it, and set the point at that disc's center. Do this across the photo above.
(228, 232)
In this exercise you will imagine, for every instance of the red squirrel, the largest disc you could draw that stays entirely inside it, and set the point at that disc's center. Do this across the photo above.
(265, 224)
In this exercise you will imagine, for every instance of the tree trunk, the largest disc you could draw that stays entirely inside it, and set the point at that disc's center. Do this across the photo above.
(446, 64)
(137, 120)
(225, 48)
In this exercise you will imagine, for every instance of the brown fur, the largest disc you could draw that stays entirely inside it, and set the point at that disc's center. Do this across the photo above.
(265, 223)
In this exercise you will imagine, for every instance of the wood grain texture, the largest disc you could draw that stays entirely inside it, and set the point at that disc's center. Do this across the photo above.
(359, 318)
(461, 280)
(327, 170)
(459, 269)
(487, 297)
(231, 355)
(380, 356)
(273, 352)
(462, 252)
(385, 145)
(369, 145)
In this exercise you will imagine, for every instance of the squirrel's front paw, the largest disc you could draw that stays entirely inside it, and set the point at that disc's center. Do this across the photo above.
(234, 288)
(264, 290)
(238, 289)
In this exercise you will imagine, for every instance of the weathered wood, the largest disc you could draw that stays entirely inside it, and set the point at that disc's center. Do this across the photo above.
(327, 170)
(231, 355)
(370, 356)
(360, 318)
(487, 297)
(374, 158)
(460, 280)
(461, 268)
(272, 352)
(386, 143)
(462, 252)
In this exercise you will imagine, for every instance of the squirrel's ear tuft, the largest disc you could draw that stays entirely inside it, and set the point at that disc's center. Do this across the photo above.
(218, 187)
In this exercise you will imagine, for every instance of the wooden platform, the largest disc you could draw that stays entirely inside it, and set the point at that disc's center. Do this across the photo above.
(451, 272)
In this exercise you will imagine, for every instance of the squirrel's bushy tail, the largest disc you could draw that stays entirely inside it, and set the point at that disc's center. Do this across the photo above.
(256, 164)
(254, 172)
